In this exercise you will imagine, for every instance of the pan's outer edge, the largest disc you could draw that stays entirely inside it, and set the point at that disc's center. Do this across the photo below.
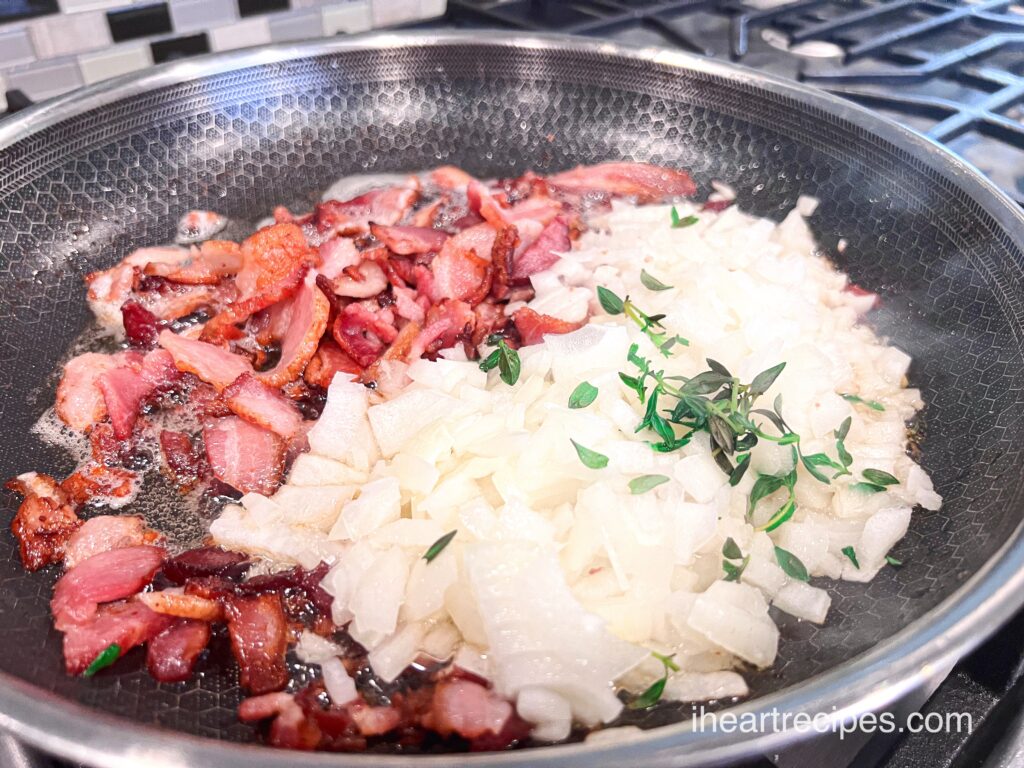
(867, 683)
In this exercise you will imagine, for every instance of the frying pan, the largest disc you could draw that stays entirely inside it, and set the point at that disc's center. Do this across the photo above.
(87, 177)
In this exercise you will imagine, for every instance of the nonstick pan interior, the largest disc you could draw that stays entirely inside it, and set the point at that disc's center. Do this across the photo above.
(81, 192)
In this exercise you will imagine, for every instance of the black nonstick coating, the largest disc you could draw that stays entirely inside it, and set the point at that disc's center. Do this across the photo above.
(83, 192)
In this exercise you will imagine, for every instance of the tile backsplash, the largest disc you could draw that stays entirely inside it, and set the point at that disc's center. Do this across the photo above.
(48, 47)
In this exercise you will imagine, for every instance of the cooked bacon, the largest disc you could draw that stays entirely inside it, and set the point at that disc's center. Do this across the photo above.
(292, 580)
(362, 334)
(92, 482)
(427, 215)
(110, 288)
(481, 201)
(360, 282)
(544, 252)
(172, 655)
(406, 305)
(716, 206)
(126, 624)
(79, 401)
(246, 457)
(337, 255)
(353, 217)
(209, 362)
(501, 258)
(532, 326)
(308, 321)
(259, 639)
(460, 273)
(406, 241)
(291, 728)
(207, 264)
(104, 533)
(263, 406)
(125, 388)
(221, 327)
(329, 360)
(539, 208)
(182, 459)
(44, 522)
(489, 318)
(373, 721)
(647, 183)
(447, 323)
(206, 561)
(199, 225)
(183, 606)
(449, 177)
(170, 301)
(141, 327)
(103, 578)
(468, 709)
(270, 256)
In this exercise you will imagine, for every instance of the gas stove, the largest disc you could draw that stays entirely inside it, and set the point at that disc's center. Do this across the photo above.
(953, 71)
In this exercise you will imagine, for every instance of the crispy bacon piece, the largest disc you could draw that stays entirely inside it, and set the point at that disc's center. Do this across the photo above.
(308, 321)
(481, 201)
(271, 256)
(337, 255)
(104, 533)
(449, 177)
(206, 561)
(263, 406)
(543, 253)
(353, 217)
(221, 327)
(246, 457)
(360, 282)
(716, 206)
(199, 225)
(539, 208)
(460, 274)
(125, 388)
(329, 360)
(96, 481)
(182, 459)
(407, 241)
(141, 327)
(291, 728)
(647, 183)
(209, 362)
(468, 709)
(373, 721)
(169, 301)
(183, 606)
(44, 521)
(172, 654)
(532, 326)
(362, 334)
(207, 264)
(259, 639)
(103, 578)
(447, 323)
(79, 401)
(126, 624)
(406, 304)
(427, 215)
(501, 259)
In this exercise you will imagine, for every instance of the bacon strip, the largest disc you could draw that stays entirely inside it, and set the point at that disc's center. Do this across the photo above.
(246, 457)
(407, 241)
(353, 217)
(533, 326)
(182, 460)
(80, 402)
(126, 624)
(544, 252)
(103, 578)
(263, 406)
(271, 256)
(104, 533)
(206, 561)
(310, 312)
(647, 183)
(209, 362)
(259, 639)
(183, 606)
(172, 655)
(207, 264)
(44, 522)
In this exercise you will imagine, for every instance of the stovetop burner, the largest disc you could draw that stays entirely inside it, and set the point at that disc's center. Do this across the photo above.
(951, 70)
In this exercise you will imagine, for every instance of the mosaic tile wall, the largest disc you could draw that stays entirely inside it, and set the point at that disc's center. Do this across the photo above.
(48, 47)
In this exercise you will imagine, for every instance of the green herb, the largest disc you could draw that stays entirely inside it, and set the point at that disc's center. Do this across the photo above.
(868, 487)
(584, 394)
(742, 462)
(668, 661)
(731, 551)
(791, 564)
(851, 554)
(765, 485)
(878, 477)
(506, 360)
(611, 303)
(104, 659)
(872, 404)
(652, 695)
(652, 283)
(893, 561)
(590, 459)
(680, 222)
(438, 546)
(644, 483)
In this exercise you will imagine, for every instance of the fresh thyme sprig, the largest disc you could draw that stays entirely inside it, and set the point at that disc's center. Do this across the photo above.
(650, 325)
(652, 695)
(505, 359)
(731, 552)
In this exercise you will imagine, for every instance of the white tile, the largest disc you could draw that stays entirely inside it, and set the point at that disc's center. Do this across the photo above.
(62, 34)
(431, 9)
(46, 79)
(350, 17)
(301, 25)
(200, 15)
(15, 46)
(387, 13)
(242, 34)
(76, 6)
(114, 61)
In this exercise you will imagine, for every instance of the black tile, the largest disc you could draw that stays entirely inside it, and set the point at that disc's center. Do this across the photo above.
(12, 10)
(253, 7)
(179, 47)
(141, 21)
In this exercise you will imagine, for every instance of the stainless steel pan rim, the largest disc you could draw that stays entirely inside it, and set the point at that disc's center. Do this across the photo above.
(866, 683)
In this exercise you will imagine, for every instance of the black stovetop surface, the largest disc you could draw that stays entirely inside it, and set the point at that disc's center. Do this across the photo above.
(952, 70)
